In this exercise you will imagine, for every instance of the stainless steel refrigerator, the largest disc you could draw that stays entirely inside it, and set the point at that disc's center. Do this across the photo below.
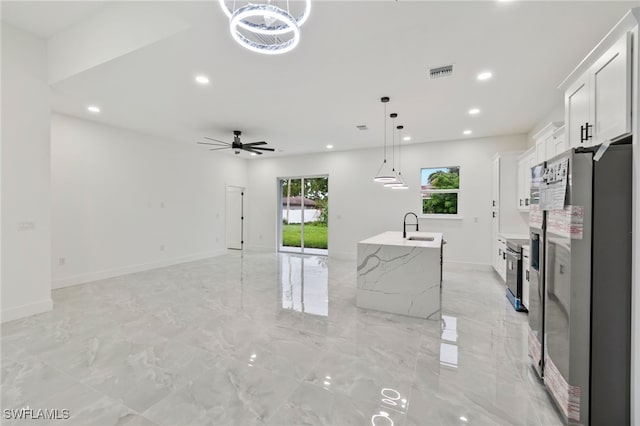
(587, 282)
(537, 295)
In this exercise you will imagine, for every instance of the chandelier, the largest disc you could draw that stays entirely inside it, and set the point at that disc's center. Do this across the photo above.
(265, 27)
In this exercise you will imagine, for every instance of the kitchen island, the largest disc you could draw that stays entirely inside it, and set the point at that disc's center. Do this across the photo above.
(400, 275)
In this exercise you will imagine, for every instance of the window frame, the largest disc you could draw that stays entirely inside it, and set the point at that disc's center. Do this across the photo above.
(458, 192)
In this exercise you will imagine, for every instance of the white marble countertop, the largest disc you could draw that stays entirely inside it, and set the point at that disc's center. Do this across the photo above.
(394, 238)
(513, 236)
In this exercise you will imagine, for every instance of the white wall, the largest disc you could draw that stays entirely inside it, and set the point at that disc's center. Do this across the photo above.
(360, 208)
(124, 201)
(26, 229)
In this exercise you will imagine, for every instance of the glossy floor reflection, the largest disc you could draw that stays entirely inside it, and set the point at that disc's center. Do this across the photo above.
(271, 339)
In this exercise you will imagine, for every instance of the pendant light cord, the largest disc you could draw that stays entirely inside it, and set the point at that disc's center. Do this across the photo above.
(399, 151)
(393, 147)
(385, 132)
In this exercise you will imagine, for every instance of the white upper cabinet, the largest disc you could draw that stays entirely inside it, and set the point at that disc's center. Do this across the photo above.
(576, 107)
(546, 142)
(525, 162)
(598, 101)
(611, 90)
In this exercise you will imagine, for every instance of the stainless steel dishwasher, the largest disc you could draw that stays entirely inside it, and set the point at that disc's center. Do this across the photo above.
(514, 273)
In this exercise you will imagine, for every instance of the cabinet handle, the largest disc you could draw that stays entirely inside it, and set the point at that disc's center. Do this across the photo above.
(494, 203)
(504, 255)
(520, 202)
(493, 214)
(499, 252)
(582, 139)
(527, 274)
(587, 136)
(526, 201)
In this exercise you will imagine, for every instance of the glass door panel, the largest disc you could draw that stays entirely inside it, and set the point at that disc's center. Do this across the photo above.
(292, 215)
(304, 215)
(316, 214)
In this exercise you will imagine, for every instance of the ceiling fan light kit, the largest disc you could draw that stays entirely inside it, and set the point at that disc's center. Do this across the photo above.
(264, 27)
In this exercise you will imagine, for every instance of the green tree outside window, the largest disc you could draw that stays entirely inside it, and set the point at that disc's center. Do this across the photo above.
(439, 191)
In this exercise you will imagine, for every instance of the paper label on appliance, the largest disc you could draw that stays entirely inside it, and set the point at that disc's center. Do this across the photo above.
(568, 222)
(576, 222)
(553, 190)
(574, 402)
(535, 216)
(559, 389)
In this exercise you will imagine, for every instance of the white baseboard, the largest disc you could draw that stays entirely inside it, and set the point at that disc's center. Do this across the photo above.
(29, 309)
(466, 266)
(260, 248)
(115, 272)
(343, 255)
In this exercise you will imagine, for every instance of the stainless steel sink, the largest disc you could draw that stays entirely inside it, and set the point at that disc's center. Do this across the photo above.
(418, 238)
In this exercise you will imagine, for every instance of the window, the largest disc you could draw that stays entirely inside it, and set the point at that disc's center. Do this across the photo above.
(440, 188)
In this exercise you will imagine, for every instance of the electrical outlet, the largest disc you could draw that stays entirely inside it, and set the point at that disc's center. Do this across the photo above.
(62, 261)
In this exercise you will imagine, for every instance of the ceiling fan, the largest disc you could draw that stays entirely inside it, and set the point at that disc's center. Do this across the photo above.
(236, 145)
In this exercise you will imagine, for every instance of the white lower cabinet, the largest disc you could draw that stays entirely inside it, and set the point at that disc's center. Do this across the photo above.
(500, 259)
(525, 276)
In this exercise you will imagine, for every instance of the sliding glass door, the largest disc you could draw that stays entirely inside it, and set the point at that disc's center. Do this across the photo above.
(304, 216)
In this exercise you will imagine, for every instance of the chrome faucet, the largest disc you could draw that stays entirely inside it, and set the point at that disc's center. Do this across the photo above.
(404, 224)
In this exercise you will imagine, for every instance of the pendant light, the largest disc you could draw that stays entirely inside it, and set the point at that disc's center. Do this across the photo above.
(403, 184)
(383, 175)
(396, 181)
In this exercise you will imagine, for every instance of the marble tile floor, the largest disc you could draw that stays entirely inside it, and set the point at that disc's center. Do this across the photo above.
(264, 338)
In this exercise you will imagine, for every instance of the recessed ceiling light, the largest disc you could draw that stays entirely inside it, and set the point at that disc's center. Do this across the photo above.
(466, 132)
(202, 79)
(464, 419)
(485, 75)
(474, 111)
(94, 109)
(329, 146)
(406, 138)
(253, 153)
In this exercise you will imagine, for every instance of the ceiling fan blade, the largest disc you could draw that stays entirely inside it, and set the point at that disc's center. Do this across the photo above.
(253, 151)
(218, 149)
(216, 140)
(263, 149)
(214, 144)
(255, 143)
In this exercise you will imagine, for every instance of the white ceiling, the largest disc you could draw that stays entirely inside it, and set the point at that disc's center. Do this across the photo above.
(350, 54)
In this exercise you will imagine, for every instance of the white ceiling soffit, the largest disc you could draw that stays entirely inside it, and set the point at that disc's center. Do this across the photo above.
(46, 18)
(120, 28)
(351, 53)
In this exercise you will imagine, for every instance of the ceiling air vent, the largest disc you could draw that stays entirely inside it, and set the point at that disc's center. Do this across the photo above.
(362, 127)
(445, 71)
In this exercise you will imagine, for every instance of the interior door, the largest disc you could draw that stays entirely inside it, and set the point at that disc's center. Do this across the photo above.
(235, 217)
